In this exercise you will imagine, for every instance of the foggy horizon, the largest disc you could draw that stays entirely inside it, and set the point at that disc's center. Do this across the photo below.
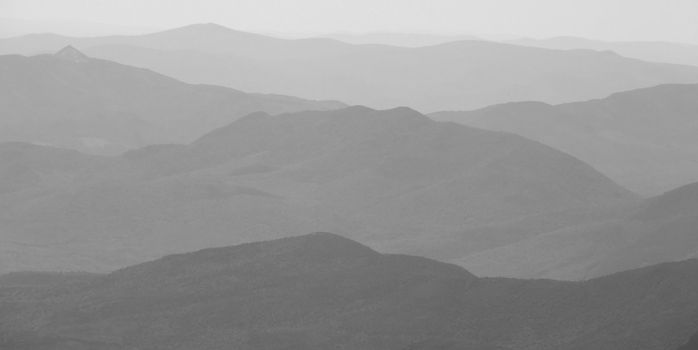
(616, 20)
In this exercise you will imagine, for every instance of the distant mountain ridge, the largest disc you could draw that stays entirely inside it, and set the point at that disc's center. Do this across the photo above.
(644, 139)
(399, 39)
(323, 291)
(653, 51)
(70, 100)
(452, 76)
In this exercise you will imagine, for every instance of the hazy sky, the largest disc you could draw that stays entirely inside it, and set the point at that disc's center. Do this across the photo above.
(674, 20)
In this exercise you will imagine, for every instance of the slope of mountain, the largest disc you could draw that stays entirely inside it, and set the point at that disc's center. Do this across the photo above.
(31, 167)
(646, 140)
(71, 100)
(661, 229)
(323, 291)
(692, 343)
(452, 76)
(669, 232)
(654, 51)
(393, 178)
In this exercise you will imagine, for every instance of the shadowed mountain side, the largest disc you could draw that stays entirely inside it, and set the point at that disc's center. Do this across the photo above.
(394, 179)
(32, 167)
(692, 344)
(646, 140)
(452, 76)
(71, 100)
(662, 229)
(668, 226)
(322, 291)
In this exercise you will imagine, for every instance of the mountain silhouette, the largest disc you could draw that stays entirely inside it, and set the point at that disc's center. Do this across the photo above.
(643, 139)
(72, 54)
(653, 51)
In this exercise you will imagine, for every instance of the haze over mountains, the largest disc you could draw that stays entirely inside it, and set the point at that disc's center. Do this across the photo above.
(323, 291)
(653, 51)
(399, 39)
(157, 190)
(395, 179)
(453, 76)
(496, 203)
(646, 139)
(10, 27)
(71, 100)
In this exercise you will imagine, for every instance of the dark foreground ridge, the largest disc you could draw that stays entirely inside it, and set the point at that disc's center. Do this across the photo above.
(323, 291)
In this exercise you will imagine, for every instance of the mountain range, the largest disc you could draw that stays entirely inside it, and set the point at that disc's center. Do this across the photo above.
(71, 100)
(452, 76)
(143, 212)
(653, 51)
(645, 139)
(323, 291)
(394, 179)
(497, 203)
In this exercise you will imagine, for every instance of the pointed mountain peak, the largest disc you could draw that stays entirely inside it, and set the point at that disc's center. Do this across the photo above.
(69, 53)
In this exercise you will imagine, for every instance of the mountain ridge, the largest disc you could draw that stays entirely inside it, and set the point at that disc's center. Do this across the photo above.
(294, 293)
(643, 139)
(94, 105)
(480, 73)
(654, 51)
(394, 179)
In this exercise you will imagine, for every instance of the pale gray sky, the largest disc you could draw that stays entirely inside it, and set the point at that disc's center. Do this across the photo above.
(669, 20)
